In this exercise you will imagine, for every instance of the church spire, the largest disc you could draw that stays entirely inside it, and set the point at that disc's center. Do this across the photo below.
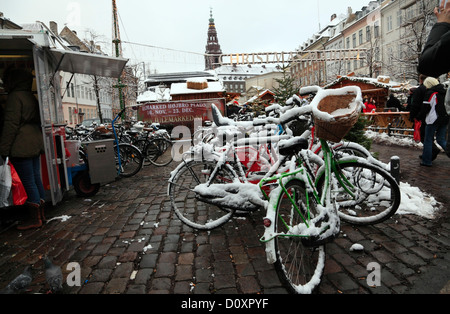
(213, 50)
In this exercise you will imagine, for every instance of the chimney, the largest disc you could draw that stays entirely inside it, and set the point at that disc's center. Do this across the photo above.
(54, 28)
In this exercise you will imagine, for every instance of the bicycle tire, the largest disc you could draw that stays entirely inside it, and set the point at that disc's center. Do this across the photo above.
(376, 197)
(159, 152)
(131, 160)
(298, 266)
(141, 145)
(191, 211)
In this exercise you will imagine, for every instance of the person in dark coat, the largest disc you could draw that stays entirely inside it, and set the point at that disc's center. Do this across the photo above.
(435, 116)
(418, 97)
(435, 60)
(393, 102)
(22, 141)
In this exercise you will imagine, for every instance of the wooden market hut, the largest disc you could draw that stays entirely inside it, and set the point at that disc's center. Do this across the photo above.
(383, 120)
(376, 88)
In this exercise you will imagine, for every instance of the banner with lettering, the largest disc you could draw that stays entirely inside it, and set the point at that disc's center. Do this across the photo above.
(179, 112)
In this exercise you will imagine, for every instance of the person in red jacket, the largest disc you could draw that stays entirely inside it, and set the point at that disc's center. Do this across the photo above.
(370, 107)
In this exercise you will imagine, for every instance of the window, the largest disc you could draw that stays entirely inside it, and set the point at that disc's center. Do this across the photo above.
(376, 29)
(389, 25)
(348, 42)
(368, 33)
(399, 18)
(360, 37)
(72, 90)
(354, 40)
(68, 89)
(70, 113)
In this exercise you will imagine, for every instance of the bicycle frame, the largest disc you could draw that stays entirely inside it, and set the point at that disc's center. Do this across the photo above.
(116, 139)
(323, 201)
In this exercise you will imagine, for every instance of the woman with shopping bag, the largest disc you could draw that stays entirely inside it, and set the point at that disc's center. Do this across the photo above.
(22, 141)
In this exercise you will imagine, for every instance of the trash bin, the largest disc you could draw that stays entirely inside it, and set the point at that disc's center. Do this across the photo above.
(101, 160)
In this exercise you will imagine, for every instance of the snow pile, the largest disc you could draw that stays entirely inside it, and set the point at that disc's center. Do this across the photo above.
(384, 138)
(356, 247)
(416, 202)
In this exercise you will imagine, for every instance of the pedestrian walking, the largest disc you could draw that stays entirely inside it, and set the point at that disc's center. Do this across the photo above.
(435, 116)
(22, 141)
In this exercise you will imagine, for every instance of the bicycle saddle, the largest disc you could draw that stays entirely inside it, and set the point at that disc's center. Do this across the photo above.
(291, 146)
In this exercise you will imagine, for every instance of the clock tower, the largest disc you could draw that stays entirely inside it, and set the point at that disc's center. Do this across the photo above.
(213, 50)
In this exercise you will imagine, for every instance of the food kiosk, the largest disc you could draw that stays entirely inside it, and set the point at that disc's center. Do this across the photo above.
(40, 52)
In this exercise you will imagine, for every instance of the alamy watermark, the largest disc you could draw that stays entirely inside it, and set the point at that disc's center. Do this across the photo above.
(374, 277)
(73, 279)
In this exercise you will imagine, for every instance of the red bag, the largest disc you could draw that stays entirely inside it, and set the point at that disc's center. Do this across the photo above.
(417, 125)
(19, 194)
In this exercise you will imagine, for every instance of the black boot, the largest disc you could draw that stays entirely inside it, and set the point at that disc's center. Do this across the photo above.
(42, 210)
(34, 218)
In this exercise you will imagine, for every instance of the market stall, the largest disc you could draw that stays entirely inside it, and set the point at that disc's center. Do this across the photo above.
(37, 52)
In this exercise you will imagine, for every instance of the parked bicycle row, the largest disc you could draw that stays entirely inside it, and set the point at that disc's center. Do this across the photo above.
(306, 183)
(134, 148)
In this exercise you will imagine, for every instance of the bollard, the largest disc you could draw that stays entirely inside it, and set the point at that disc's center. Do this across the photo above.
(395, 168)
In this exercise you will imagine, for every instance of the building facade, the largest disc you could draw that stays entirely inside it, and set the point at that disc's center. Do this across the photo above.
(382, 38)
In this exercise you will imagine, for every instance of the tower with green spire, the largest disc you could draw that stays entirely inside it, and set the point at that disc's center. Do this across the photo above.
(213, 51)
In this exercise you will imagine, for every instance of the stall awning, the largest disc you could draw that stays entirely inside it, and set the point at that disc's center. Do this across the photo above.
(87, 63)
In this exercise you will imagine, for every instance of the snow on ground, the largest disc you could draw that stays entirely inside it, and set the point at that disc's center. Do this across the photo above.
(384, 138)
(414, 201)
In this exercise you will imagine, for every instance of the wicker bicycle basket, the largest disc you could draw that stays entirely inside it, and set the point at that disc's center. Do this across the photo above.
(335, 131)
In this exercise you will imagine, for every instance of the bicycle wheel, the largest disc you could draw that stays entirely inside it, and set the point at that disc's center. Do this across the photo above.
(365, 194)
(159, 152)
(187, 207)
(141, 145)
(130, 160)
(299, 266)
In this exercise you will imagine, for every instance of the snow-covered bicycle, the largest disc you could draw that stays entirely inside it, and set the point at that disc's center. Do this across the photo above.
(302, 210)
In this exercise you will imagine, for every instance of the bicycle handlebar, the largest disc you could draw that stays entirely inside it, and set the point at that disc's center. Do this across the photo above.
(314, 89)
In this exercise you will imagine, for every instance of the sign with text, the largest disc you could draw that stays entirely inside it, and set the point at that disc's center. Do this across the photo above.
(179, 112)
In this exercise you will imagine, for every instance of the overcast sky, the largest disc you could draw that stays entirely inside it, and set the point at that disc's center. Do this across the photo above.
(243, 26)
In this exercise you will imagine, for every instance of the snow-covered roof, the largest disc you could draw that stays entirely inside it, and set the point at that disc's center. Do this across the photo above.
(377, 82)
(182, 89)
(154, 96)
(261, 94)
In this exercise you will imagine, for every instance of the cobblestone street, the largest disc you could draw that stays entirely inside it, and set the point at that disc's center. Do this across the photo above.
(128, 241)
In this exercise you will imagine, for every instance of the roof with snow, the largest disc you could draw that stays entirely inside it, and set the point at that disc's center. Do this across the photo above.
(177, 77)
(182, 89)
(154, 95)
(380, 82)
(260, 95)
